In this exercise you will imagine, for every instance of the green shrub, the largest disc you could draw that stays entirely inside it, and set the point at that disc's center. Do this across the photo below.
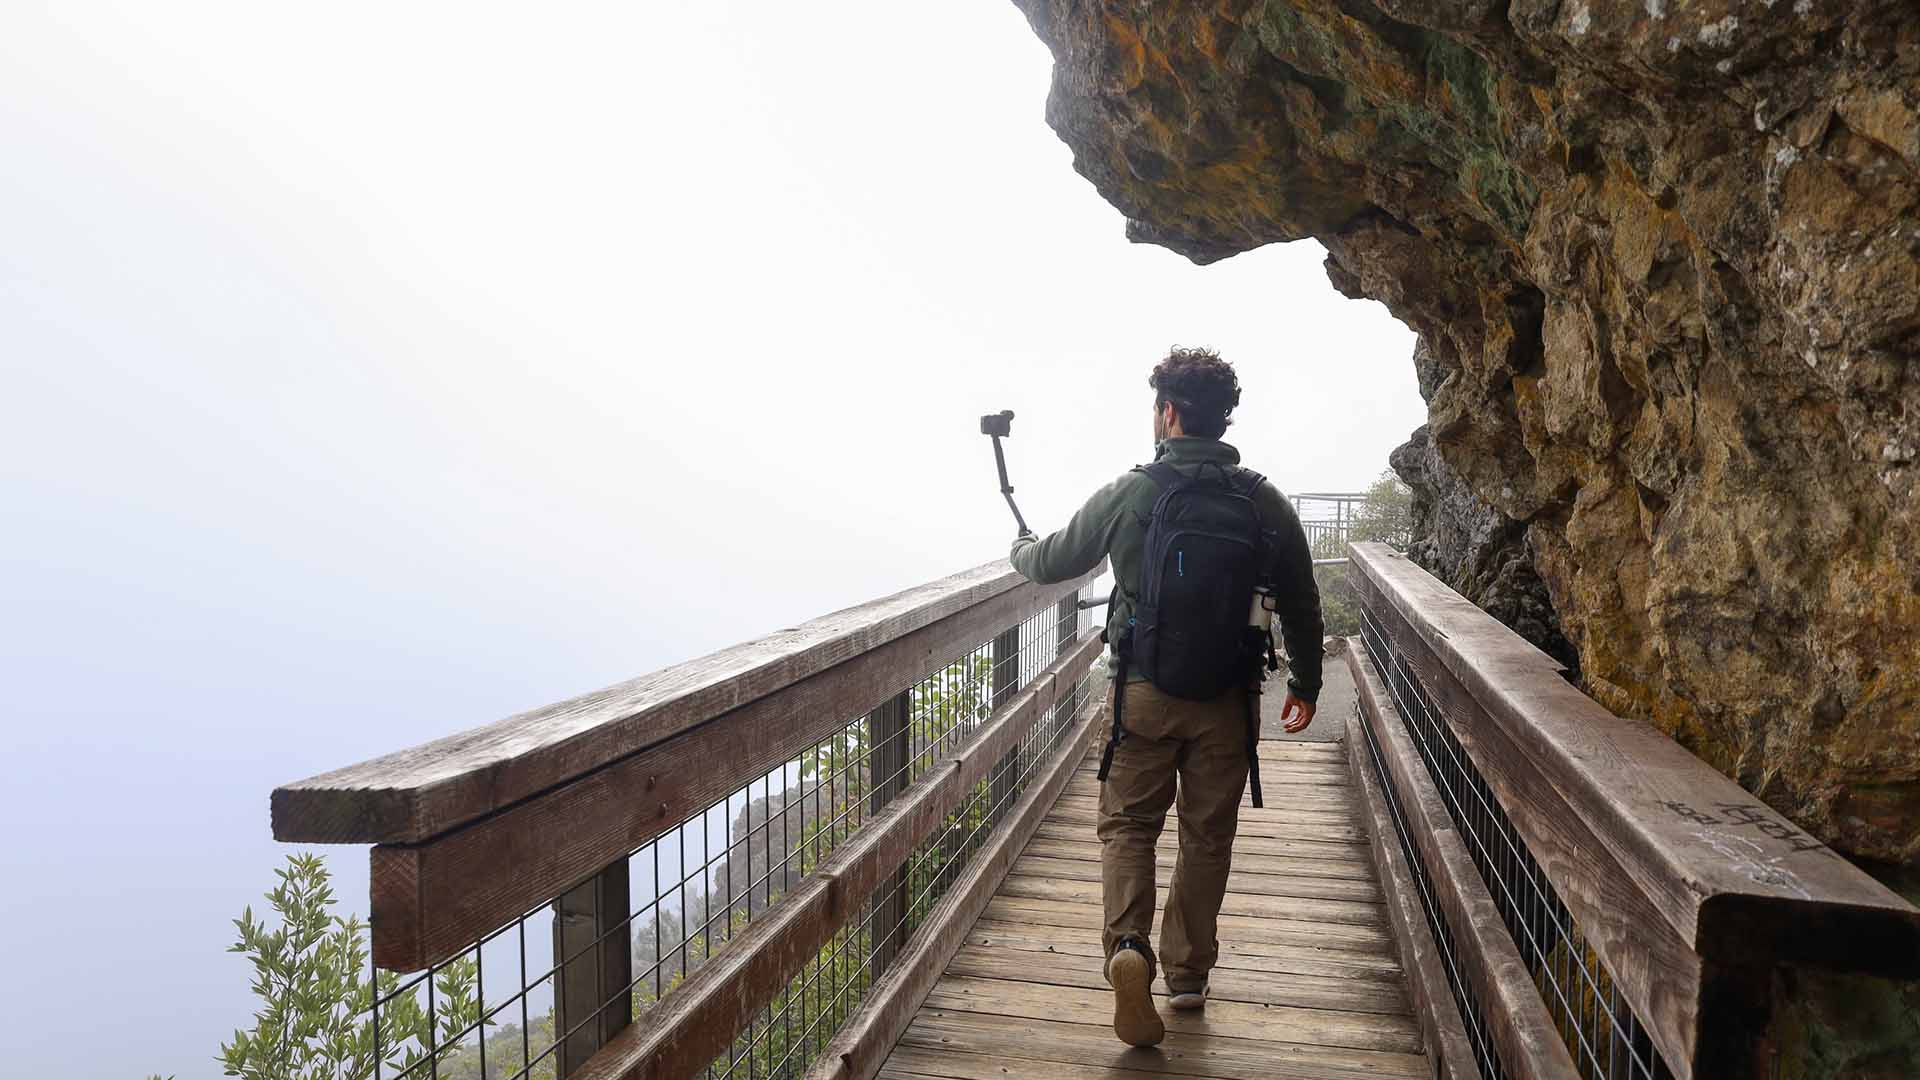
(1386, 516)
(315, 1020)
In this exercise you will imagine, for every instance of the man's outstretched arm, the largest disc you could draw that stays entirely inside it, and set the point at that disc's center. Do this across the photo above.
(1297, 599)
(1077, 548)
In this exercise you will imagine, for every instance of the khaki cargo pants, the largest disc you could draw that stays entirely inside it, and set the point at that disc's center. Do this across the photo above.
(1197, 749)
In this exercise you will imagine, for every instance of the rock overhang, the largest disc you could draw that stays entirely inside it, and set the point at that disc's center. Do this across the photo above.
(1664, 260)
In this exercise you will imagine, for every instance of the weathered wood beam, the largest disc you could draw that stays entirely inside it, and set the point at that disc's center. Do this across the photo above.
(425, 791)
(1726, 870)
(431, 899)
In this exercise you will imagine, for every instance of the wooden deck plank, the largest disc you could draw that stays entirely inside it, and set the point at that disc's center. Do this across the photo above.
(1336, 850)
(1345, 829)
(993, 1038)
(1034, 912)
(1225, 984)
(1326, 772)
(1329, 767)
(1317, 751)
(1242, 881)
(1352, 912)
(1276, 812)
(912, 1063)
(1281, 1023)
(1244, 862)
(1282, 793)
(1281, 788)
(1300, 959)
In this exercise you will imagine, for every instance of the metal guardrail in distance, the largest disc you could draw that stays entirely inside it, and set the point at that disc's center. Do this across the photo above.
(1326, 517)
(1651, 900)
(700, 872)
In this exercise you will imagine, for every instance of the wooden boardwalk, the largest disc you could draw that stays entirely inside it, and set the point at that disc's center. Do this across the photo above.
(1308, 984)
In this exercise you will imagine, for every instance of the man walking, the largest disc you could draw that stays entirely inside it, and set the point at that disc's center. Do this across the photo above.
(1184, 568)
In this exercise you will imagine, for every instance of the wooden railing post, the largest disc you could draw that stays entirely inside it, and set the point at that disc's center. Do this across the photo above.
(1006, 679)
(1067, 628)
(1006, 665)
(592, 947)
(887, 738)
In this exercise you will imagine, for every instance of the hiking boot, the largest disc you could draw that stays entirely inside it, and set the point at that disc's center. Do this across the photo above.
(1135, 1020)
(1187, 999)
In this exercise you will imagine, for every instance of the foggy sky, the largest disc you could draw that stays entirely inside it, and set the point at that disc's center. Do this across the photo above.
(375, 371)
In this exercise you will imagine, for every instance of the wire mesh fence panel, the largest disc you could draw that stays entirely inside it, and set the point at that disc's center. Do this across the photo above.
(945, 710)
(534, 997)
(1326, 537)
(1606, 1040)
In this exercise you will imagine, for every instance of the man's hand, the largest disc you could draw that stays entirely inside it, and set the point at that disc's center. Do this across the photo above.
(1295, 715)
(1027, 537)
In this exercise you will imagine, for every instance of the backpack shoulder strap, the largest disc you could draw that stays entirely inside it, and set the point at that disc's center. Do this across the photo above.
(1163, 474)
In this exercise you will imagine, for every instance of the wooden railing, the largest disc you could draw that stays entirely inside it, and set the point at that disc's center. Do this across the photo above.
(710, 869)
(891, 751)
(1598, 901)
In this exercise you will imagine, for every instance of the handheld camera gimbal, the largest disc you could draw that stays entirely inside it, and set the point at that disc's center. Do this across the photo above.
(1000, 426)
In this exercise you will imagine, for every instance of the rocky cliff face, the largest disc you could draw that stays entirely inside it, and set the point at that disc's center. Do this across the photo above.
(1476, 549)
(1461, 539)
(1664, 258)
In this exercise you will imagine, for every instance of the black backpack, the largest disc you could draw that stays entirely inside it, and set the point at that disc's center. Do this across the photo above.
(1205, 551)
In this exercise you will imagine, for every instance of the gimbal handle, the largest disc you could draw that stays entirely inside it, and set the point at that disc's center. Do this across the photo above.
(1006, 488)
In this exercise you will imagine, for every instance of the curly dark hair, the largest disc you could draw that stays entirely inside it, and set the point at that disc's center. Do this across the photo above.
(1201, 386)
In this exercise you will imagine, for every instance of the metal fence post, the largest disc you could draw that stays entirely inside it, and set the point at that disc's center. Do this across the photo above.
(592, 947)
(887, 753)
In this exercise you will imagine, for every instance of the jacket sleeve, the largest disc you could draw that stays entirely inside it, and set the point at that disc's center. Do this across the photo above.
(1297, 600)
(1080, 546)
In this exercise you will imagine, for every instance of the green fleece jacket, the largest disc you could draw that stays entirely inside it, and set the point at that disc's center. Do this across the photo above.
(1113, 524)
